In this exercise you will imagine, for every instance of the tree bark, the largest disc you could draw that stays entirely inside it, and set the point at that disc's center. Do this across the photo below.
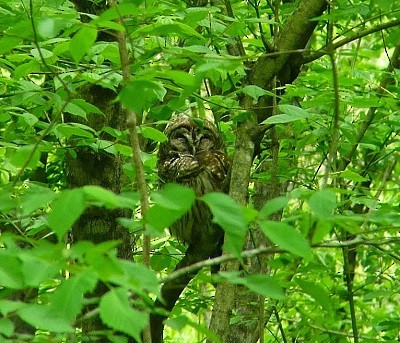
(285, 67)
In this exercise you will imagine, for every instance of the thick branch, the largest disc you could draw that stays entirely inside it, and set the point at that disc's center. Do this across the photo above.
(295, 35)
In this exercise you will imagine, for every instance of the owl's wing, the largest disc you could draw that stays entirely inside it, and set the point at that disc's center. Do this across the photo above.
(178, 168)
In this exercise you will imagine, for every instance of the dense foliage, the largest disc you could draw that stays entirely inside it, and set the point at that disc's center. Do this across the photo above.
(321, 210)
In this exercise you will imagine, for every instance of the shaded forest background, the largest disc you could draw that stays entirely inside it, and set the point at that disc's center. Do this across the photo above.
(306, 96)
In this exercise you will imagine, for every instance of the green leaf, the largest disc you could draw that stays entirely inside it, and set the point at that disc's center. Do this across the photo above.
(352, 176)
(170, 203)
(168, 30)
(152, 133)
(50, 27)
(24, 154)
(42, 317)
(121, 10)
(254, 91)
(286, 237)
(36, 270)
(141, 93)
(82, 41)
(65, 211)
(85, 106)
(178, 323)
(67, 299)
(318, 293)
(75, 110)
(73, 129)
(136, 276)
(323, 203)
(117, 313)
(8, 42)
(273, 206)
(262, 284)
(228, 214)
(36, 197)
(289, 113)
(6, 327)
(10, 271)
(101, 196)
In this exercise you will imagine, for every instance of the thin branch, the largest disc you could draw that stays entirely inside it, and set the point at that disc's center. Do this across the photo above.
(358, 241)
(136, 152)
(323, 51)
(331, 159)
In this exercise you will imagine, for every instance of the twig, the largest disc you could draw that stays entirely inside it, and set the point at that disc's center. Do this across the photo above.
(136, 152)
(358, 241)
(323, 51)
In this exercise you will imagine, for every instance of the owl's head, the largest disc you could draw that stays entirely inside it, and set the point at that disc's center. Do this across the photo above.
(190, 136)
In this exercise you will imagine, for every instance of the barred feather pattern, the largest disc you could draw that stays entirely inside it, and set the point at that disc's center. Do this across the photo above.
(194, 156)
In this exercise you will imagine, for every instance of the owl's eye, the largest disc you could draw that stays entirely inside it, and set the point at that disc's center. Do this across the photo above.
(206, 142)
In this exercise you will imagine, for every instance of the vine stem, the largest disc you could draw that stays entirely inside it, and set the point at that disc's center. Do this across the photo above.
(132, 124)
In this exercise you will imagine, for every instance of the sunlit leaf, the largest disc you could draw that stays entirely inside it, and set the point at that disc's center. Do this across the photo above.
(323, 203)
(10, 271)
(273, 206)
(117, 313)
(65, 211)
(82, 41)
(42, 317)
(286, 237)
(170, 203)
(228, 214)
(318, 293)
(262, 284)
(152, 133)
(289, 113)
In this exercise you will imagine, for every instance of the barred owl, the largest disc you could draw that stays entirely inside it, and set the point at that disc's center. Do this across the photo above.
(194, 156)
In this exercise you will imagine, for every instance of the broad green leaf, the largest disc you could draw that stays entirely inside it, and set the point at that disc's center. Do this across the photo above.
(101, 196)
(170, 203)
(323, 203)
(82, 41)
(7, 306)
(50, 27)
(36, 270)
(6, 327)
(68, 298)
(43, 318)
(65, 211)
(168, 30)
(141, 93)
(73, 129)
(286, 237)
(35, 197)
(174, 197)
(85, 106)
(117, 313)
(121, 10)
(152, 133)
(262, 284)
(8, 42)
(289, 113)
(352, 176)
(178, 323)
(273, 206)
(26, 156)
(318, 293)
(136, 276)
(75, 110)
(228, 214)
(10, 271)
(181, 78)
(254, 91)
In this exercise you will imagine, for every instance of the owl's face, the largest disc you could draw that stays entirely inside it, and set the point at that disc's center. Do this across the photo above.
(186, 137)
